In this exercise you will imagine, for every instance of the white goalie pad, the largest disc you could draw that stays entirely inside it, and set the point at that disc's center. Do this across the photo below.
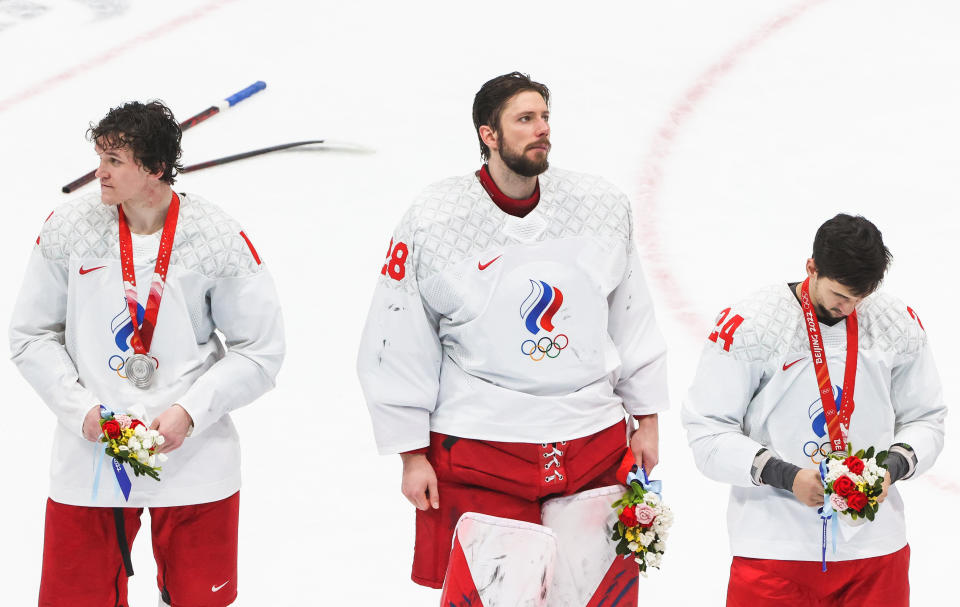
(587, 556)
(501, 561)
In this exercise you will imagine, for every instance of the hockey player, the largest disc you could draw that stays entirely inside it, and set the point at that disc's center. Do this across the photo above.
(756, 419)
(510, 331)
(122, 297)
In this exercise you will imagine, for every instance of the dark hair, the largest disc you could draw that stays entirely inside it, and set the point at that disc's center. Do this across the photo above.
(493, 96)
(149, 130)
(850, 250)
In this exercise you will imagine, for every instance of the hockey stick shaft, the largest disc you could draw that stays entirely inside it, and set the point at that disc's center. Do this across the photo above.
(190, 122)
(250, 154)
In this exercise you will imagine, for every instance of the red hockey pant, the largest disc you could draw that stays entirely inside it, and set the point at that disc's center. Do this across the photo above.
(877, 581)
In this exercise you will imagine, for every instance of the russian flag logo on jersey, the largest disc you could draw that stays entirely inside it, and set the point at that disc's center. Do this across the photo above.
(537, 312)
(816, 450)
(540, 305)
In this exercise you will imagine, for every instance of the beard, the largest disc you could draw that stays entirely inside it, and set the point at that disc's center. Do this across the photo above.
(521, 165)
(823, 313)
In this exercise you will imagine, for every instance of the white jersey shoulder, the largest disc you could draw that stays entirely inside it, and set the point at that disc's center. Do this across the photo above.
(208, 241)
(77, 227)
(585, 204)
(889, 325)
(766, 324)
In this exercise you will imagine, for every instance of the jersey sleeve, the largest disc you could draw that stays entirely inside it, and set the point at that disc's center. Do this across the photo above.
(399, 359)
(37, 331)
(246, 310)
(715, 406)
(633, 327)
(917, 398)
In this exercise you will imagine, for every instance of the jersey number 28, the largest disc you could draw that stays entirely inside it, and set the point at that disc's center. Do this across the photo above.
(396, 264)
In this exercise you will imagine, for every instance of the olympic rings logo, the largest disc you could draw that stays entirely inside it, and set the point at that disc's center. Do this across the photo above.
(545, 347)
(812, 450)
(117, 366)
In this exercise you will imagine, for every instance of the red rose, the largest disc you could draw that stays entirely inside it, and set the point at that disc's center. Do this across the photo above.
(843, 487)
(135, 423)
(628, 517)
(857, 500)
(111, 428)
(854, 464)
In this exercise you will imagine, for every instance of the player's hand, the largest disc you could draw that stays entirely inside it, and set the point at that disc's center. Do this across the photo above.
(886, 488)
(808, 488)
(91, 424)
(419, 483)
(174, 424)
(645, 442)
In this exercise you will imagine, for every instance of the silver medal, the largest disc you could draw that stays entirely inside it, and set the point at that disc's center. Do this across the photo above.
(140, 370)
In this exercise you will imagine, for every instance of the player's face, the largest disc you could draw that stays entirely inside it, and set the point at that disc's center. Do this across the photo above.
(523, 136)
(122, 178)
(832, 299)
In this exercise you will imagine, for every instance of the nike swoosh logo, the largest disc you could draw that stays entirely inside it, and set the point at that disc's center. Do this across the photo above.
(87, 271)
(484, 266)
(216, 588)
(786, 366)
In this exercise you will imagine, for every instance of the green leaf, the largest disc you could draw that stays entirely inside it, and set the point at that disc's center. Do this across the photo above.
(869, 513)
(860, 454)
(869, 452)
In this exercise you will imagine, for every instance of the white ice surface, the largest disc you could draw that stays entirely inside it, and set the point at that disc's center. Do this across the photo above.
(752, 131)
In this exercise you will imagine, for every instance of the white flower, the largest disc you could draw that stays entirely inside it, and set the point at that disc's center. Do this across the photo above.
(143, 456)
(159, 440)
(139, 431)
(652, 559)
(651, 498)
(161, 457)
(124, 448)
(646, 538)
(134, 444)
(152, 461)
(146, 442)
(658, 546)
(633, 546)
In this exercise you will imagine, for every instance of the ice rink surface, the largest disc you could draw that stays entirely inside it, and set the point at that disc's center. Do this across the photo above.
(736, 127)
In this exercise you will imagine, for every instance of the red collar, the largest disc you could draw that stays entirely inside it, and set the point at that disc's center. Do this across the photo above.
(510, 206)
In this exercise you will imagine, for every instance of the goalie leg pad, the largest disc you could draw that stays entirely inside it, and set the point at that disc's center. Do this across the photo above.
(497, 562)
(588, 570)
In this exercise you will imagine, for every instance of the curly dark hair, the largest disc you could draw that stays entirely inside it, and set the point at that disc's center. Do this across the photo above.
(493, 96)
(850, 250)
(149, 130)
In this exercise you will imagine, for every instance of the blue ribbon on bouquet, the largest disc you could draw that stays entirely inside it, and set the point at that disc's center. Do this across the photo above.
(646, 483)
(120, 474)
(827, 513)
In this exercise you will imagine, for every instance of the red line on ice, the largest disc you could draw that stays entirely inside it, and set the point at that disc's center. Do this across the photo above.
(653, 172)
(111, 54)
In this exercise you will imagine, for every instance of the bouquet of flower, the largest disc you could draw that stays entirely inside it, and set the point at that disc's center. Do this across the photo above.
(642, 523)
(853, 481)
(130, 442)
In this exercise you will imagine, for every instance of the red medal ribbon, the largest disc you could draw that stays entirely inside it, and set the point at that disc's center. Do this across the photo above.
(838, 424)
(143, 335)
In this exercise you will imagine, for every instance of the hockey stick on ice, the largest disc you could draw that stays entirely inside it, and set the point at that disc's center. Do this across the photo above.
(250, 154)
(192, 121)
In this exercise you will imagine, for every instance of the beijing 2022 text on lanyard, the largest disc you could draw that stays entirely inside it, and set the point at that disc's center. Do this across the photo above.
(140, 368)
(838, 424)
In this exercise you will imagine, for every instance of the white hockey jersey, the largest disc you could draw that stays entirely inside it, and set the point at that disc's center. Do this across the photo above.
(489, 326)
(756, 387)
(70, 335)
